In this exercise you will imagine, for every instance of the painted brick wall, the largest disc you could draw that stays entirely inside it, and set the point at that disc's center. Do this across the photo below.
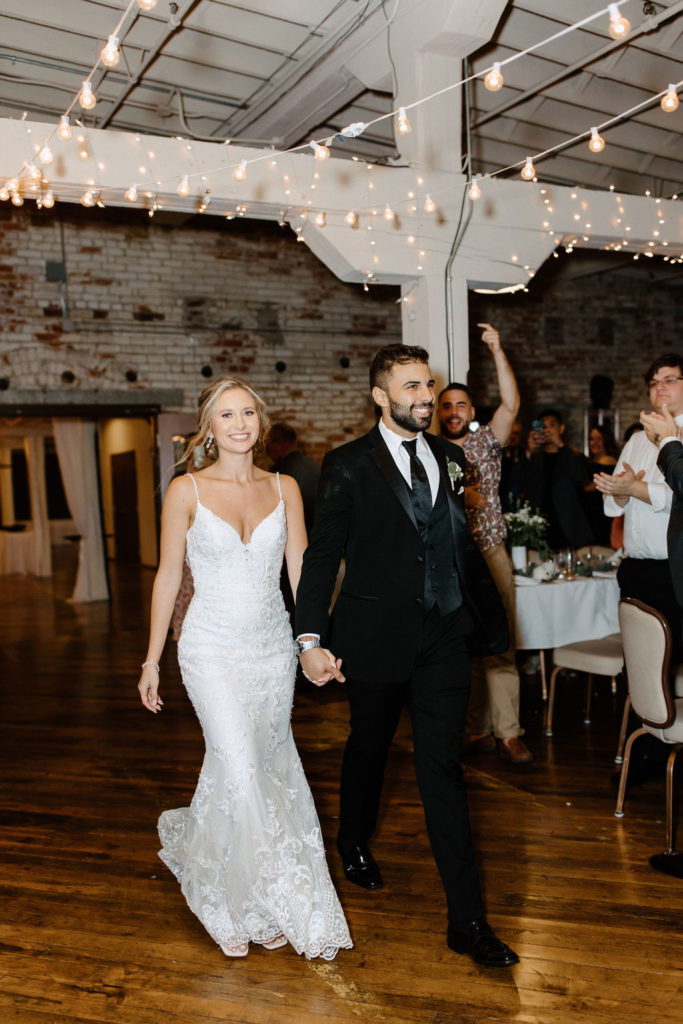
(164, 301)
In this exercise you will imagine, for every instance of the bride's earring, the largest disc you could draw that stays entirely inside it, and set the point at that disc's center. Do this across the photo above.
(208, 444)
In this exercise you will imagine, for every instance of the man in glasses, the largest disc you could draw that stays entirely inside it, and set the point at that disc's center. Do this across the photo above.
(639, 491)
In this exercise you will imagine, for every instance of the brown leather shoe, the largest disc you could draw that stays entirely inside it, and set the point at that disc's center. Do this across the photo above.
(478, 744)
(515, 750)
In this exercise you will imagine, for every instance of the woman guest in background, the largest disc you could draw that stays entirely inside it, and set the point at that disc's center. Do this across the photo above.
(602, 459)
(248, 851)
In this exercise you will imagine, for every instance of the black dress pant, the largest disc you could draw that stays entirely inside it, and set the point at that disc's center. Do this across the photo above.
(436, 691)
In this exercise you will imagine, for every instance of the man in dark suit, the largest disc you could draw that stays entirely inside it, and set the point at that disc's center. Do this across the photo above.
(663, 429)
(416, 592)
(288, 458)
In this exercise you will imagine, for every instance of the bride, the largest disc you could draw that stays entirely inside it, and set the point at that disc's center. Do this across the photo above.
(248, 851)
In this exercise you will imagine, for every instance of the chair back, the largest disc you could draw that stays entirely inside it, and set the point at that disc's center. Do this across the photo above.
(646, 636)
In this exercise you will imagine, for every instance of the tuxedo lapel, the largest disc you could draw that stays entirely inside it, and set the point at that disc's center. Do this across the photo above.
(391, 473)
(455, 507)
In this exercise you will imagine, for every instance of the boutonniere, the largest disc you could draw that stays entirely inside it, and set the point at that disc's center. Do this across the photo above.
(455, 473)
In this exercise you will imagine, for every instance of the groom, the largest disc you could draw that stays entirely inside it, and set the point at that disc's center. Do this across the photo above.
(416, 597)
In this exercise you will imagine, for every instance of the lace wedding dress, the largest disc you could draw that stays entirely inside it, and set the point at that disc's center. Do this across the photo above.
(248, 851)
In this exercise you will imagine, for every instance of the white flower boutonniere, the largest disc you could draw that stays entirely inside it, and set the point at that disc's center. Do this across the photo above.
(455, 473)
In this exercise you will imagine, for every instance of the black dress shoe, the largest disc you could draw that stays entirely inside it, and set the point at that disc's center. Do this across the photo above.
(481, 943)
(360, 866)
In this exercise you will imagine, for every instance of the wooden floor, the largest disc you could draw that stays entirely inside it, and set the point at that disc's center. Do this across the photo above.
(94, 928)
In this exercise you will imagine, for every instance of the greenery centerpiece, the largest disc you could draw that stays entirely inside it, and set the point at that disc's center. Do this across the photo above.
(527, 528)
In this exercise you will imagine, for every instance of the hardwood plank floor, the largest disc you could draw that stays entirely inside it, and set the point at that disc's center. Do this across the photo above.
(94, 928)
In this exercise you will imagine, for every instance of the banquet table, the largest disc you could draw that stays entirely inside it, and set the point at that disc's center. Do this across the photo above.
(564, 612)
(17, 553)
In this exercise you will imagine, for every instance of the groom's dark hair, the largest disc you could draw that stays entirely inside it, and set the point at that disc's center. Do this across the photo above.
(388, 357)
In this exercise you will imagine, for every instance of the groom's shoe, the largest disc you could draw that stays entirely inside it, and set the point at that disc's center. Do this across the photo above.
(482, 944)
(360, 866)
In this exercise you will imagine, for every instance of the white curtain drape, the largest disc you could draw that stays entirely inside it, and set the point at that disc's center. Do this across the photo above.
(34, 448)
(75, 443)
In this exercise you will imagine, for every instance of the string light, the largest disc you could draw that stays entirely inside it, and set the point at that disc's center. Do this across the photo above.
(86, 97)
(146, 5)
(430, 205)
(110, 54)
(389, 214)
(351, 219)
(33, 172)
(597, 143)
(184, 187)
(12, 184)
(46, 156)
(619, 26)
(240, 172)
(17, 199)
(494, 80)
(403, 125)
(528, 172)
(320, 219)
(131, 194)
(669, 102)
(321, 152)
(88, 198)
(64, 130)
(48, 200)
(474, 191)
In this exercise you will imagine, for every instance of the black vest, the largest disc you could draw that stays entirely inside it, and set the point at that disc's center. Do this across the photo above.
(442, 586)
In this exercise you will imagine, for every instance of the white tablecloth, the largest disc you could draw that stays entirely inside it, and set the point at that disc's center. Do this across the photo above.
(566, 611)
(17, 552)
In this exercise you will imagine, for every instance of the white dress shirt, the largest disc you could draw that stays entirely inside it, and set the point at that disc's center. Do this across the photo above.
(645, 525)
(394, 443)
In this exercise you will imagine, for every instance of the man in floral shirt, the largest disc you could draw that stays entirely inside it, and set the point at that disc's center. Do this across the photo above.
(493, 711)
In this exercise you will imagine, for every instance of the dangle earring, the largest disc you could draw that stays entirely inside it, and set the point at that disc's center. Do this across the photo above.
(208, 444)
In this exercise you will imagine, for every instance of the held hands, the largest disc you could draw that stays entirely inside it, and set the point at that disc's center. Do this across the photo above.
(148, 688)
(490, 337)
(659, 425)
(319, 666)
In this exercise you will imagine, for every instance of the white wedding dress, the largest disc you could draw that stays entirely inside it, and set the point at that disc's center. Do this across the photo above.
(248, 851)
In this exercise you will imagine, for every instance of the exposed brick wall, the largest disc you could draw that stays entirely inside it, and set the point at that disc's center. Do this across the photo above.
(642, 316)
(165, 300)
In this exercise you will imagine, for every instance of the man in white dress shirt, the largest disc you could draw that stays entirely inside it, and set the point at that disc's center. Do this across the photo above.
(638, 490)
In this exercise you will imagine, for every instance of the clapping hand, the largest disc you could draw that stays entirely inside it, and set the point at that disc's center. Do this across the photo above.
(658, 425)
(619, 484)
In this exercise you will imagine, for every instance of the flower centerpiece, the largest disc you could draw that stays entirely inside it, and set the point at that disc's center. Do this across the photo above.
(526, 529)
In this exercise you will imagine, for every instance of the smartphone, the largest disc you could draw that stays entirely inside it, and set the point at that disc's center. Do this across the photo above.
(537, 425)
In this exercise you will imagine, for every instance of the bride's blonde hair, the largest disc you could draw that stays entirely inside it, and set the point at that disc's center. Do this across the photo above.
(208, 400)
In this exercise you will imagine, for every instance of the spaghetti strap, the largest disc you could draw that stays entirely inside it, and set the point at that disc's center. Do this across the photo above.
(194, 484)
(279, 488)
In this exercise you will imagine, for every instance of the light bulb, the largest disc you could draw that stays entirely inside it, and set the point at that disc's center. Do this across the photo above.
(494, 80)
(430, 205)
(351, 218)
(184, 186)
(240, 172)
(48, 200)
(597, 143)
(321, 152)
(17, 199)
(109, 54)
(11, 185)
(46, 156)
(146, 5)
(619, 26)
(403, 125)
(64, 130)
(33, 172)
(474, 192)
(320, 219)
(670, 101)
(528, 172)
(131, 194)
(4, 193)
(88, 198)
(388, 214)
(86, 97)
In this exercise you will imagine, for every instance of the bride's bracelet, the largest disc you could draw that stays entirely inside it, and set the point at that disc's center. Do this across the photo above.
(155, 663)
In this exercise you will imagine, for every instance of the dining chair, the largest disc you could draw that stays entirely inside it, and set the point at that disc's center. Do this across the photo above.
(594, 657)
(646, 636)
(678, 692)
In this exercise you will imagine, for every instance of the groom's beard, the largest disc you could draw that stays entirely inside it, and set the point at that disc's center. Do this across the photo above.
(407, 416)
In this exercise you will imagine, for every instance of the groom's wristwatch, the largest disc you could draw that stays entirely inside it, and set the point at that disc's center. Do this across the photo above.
(306, 645)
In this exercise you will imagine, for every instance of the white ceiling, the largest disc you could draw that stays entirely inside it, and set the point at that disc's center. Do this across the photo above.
(274, 72)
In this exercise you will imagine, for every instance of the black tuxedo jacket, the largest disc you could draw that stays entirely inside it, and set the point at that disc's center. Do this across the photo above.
(670, 461)
(364, 513)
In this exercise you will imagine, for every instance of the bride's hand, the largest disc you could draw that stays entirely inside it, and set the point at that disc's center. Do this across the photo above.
(319, 666)
(148, 688)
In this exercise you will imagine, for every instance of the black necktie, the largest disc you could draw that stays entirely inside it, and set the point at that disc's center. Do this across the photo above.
(420, 493)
